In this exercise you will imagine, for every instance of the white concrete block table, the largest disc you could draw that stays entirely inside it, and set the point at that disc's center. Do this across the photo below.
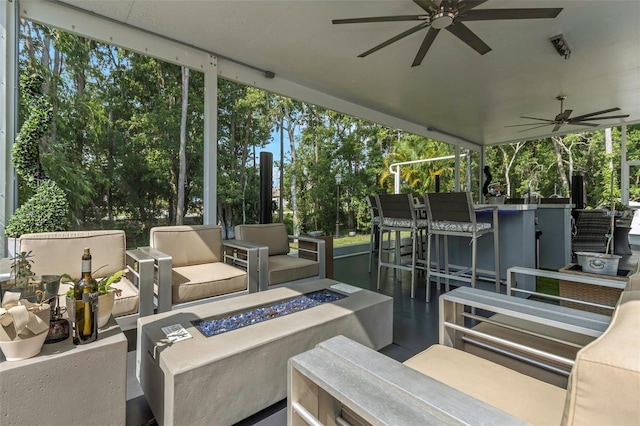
(67, 384)
(225, 378)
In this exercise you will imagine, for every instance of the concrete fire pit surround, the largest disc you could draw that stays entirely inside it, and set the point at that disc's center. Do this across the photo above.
(225, 378)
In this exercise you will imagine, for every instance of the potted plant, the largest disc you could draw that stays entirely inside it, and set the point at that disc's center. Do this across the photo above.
(24, 323)
(106, 294)
(495, 193)
(603, 263)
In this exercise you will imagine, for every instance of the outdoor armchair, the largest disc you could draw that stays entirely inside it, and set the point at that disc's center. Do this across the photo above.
(57, 253)
(591, 229)
(446, 385)
(194, 263)
(276, 265)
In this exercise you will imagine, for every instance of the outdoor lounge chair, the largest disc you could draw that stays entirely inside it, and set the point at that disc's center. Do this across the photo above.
(195, 264)
(340, 378)
(276, 266)
(591, 229)
(57, 253)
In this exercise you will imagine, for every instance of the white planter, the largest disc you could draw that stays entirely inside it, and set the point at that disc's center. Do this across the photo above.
(105, 307)
(16, 348)
(598, 263)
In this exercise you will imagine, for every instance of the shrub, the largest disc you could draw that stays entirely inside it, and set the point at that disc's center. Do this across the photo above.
(46, 211)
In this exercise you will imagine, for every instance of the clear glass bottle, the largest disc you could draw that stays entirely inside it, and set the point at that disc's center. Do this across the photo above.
(86, 295)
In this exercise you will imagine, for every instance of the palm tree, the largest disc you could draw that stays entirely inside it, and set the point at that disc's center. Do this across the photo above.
(420, 177)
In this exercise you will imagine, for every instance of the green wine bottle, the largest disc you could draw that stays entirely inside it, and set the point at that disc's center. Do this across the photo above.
(86, 296)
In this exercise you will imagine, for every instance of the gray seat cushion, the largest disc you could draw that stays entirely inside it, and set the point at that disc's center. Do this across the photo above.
(447, 225)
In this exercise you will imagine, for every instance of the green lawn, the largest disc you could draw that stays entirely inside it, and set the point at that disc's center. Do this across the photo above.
(547, 286)
(346, 240)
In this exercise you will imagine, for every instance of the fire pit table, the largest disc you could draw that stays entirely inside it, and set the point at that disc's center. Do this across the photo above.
(235, 362)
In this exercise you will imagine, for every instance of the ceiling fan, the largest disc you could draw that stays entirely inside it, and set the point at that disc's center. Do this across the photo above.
(449, 15)
(563, 118)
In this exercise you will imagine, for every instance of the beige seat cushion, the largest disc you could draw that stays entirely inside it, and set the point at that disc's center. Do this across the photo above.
(604, 387)
(531, 400)
(127, 302)
(188, 245)
(285, 268)
(57, 253)
(272, 235)
(195, 282)
(522, 338)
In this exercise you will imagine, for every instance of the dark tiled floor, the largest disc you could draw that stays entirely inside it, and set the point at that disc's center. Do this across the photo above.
(415, 328)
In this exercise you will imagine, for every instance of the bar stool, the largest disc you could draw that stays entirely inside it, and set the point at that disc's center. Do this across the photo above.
(398, 214)
(453, 214)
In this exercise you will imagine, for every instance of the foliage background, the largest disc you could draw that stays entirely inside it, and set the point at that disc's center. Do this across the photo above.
(113, 146)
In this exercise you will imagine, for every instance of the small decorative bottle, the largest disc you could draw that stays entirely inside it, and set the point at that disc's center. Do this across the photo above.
(86, 295)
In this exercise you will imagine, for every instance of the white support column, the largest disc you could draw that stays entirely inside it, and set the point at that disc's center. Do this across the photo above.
(456, 184)
(9, 114)
(624, 167)
(210, 183)
(481, 176)
(468, 165)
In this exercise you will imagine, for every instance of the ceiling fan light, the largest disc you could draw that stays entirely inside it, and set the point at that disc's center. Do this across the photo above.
(561, 46)
(442, 20)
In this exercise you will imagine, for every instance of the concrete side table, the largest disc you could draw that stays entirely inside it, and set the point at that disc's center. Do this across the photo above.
(67, 384)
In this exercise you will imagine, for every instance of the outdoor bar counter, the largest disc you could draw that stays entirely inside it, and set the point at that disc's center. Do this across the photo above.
(517, 228)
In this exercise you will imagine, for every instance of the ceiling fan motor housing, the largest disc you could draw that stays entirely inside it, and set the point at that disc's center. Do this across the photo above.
(442, 20)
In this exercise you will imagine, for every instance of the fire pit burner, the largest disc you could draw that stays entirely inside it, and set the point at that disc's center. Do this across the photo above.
(215, 325)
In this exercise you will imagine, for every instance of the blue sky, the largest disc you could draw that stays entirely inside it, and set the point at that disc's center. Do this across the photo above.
(274, 147)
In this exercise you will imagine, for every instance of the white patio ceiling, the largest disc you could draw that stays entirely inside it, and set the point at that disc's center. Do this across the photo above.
(455, 90)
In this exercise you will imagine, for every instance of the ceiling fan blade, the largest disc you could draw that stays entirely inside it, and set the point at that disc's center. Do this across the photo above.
(601, 118)
(557, 127)
(380, 19)
(583, 123)
(461, 31)
(591, 114)
(530, 124)
(539, 119)
(394, 39)
(427, 5)
(447, 4)
(495, 14)
(465, 5)
(532, 128)
(564, 115)
(424, 47)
